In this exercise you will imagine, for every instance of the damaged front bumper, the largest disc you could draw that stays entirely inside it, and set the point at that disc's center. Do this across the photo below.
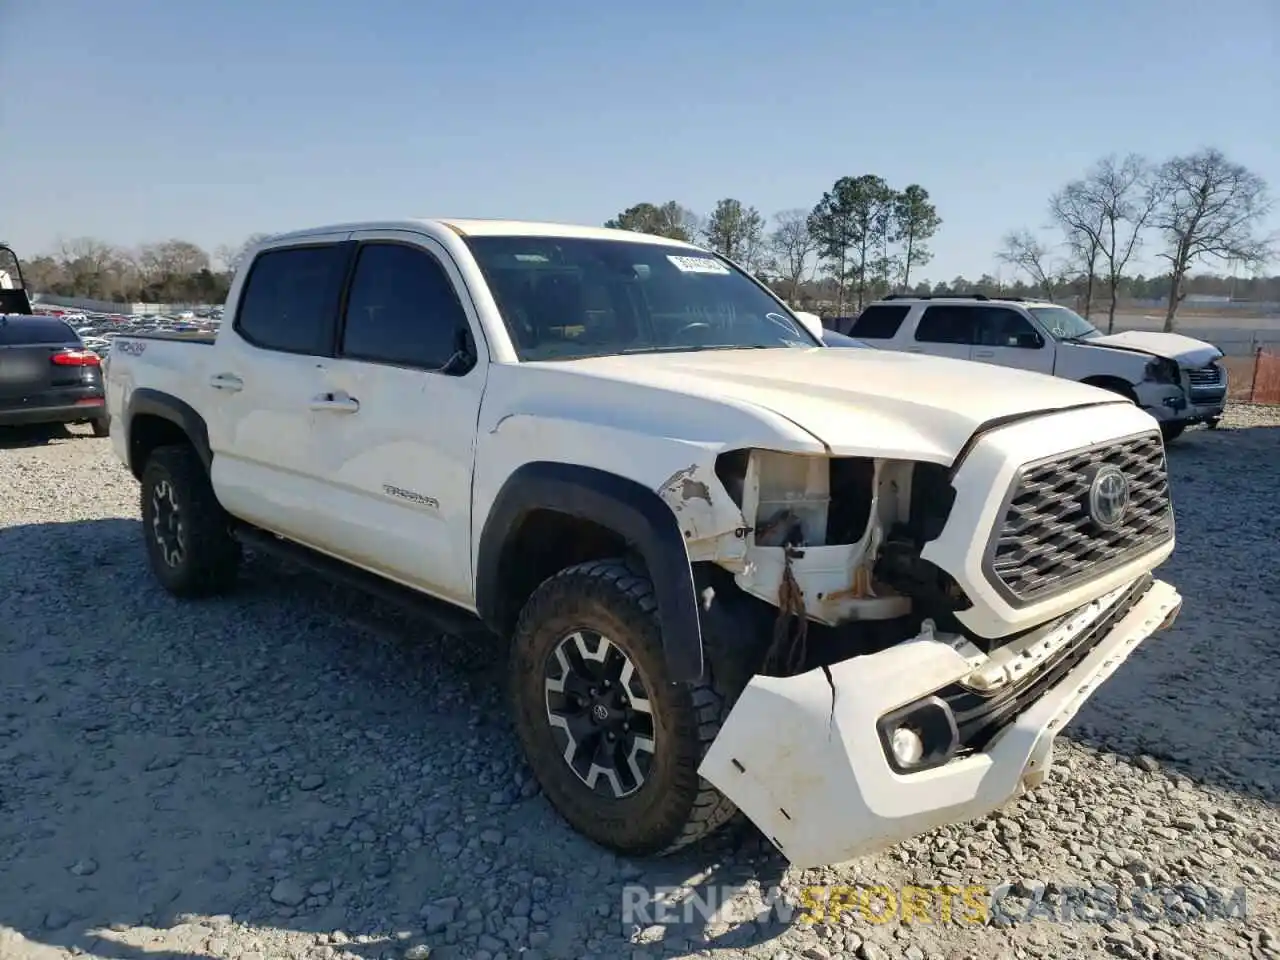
(1174, 404)
(807, 759)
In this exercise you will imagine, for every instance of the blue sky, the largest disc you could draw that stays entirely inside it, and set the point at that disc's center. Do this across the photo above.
(137, 120)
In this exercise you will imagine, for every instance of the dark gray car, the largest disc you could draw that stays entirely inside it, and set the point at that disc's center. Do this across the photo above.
(47, 375)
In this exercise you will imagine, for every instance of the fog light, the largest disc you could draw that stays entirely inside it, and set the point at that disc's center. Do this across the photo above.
(907, 746)
(919, 736)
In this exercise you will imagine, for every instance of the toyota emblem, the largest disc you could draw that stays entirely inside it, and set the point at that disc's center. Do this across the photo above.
(1108, 497)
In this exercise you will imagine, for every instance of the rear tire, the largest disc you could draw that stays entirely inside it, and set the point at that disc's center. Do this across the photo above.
(101, 427)
(595, 626)
(188, 534)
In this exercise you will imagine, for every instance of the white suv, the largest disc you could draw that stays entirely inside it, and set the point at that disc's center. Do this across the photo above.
(1176, 379)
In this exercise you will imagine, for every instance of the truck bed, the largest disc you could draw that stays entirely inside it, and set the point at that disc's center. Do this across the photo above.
(158, 361)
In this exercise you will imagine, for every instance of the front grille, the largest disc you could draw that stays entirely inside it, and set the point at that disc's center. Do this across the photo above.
(1210, 376)
(1048, 541)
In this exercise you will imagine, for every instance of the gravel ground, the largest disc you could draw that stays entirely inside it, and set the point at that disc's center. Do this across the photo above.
(298, 772)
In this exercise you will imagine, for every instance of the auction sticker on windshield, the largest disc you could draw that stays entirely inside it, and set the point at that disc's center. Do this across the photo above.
(698, 265)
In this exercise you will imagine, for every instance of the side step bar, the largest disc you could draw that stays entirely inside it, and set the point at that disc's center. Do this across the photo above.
(444, 616)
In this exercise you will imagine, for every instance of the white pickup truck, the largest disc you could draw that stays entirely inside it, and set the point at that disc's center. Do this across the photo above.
(1177, 379)
(854, 594)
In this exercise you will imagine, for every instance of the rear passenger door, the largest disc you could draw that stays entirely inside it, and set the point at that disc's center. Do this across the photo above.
(1005, 337)
(396, 444)
(260, 378)
(944, 330)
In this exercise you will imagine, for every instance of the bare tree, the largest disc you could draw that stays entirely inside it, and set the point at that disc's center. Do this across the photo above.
(1209, 210)
(43, 274)
(230, 257)
(1106, 213)
(168, 258)
(1081, 222)
(90, 265)
(791, 248)
(1023, 251)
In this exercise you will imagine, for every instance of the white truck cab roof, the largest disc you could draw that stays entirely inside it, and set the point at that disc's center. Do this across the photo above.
(479, 227)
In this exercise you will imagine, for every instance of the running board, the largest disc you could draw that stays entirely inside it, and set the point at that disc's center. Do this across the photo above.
(446, 617)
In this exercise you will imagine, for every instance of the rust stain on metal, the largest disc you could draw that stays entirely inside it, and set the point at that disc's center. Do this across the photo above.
(682, 483)
(694, 490)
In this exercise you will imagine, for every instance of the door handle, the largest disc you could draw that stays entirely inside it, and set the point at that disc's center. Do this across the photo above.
(915, 349)
(336, 402)
(226, 381)
(984, 353)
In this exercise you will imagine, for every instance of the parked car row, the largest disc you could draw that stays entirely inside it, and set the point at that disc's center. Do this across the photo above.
(98, 331)
(1178, 380)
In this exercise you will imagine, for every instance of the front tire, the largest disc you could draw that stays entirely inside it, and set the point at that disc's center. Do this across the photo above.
(188, 534)
(613, 742)
(1171, 431)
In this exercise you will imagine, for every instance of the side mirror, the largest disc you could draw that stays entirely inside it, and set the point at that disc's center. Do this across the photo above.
(464, 355)
(1029, 340)
(812, 322)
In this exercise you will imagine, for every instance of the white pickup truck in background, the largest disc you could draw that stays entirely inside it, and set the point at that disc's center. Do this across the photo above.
(1176, 379)
(854, 593)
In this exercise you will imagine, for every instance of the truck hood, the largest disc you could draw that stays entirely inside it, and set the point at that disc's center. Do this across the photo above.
(1186, 351)
(855, 402)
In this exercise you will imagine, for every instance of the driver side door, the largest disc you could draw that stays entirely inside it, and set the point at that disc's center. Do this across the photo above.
(1006, 338)
(395, 421)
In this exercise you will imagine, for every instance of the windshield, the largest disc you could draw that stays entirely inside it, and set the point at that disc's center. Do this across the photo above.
(567, 297)
(1064, 324)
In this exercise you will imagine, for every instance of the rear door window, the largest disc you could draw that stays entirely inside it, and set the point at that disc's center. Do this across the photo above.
(879, 322)
(290, 299)
(944, 323)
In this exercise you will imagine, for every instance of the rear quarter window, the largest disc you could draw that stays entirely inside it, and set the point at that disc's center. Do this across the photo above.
(21, 331)
(879, 322)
